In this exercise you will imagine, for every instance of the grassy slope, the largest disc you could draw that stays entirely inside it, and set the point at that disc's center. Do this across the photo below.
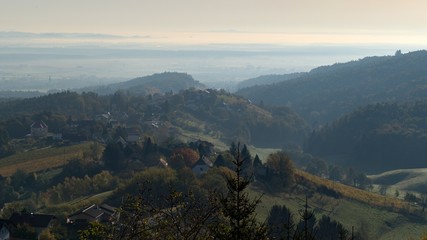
(382, 217)
(262, 152)
(221, 146)
(41, 159)
(403, 179)
(72, 206)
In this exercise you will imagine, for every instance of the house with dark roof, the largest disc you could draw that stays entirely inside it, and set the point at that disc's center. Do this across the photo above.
(39, 129)
(99, 213)
(204, 147)
(132, 135)
(39, 222)
(202, 166)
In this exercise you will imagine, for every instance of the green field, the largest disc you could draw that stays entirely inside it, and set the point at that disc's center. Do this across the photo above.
(403, 180)
(41, 159)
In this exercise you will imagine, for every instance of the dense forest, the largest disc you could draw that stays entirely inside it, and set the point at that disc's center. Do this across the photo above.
(326, 93)
(378, 137)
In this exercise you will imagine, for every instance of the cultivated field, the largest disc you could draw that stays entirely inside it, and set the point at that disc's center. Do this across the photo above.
(41, 159)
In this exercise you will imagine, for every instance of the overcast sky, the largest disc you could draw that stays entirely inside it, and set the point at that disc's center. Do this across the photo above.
(226, 21)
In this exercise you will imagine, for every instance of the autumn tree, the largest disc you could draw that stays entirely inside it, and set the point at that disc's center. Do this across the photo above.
(154, 208)
(280, 169)
(187, 155)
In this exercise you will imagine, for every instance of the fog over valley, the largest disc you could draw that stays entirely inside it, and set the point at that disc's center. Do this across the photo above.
(65, 61)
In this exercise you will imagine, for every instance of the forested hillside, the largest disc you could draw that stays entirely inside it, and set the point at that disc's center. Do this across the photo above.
(230, 117)
(67, 103)
(217, 114)
(375, 138)
(329, 92)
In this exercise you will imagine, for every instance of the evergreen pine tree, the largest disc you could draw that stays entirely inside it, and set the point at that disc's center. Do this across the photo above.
(233, 149)
(280, 223)
(257, 161)
(238, 209)
(247, 166)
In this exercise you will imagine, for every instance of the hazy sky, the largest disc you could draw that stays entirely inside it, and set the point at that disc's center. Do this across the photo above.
(225, 21)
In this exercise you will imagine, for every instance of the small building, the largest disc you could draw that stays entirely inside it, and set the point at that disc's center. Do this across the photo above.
(98, 213)
(39, 129)
(132, 135)
(202, 166)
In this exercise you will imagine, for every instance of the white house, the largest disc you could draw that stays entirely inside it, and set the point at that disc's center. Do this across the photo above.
(39, 129)
(202, 166)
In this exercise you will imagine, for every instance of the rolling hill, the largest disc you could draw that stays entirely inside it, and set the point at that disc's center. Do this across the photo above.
(217, 114)
(228, 117)
(156, 83)
(372, 214)
(326, 93)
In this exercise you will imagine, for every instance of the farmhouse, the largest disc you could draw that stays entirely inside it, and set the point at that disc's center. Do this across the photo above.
(202, 166)
(102, 213)
(39, 129)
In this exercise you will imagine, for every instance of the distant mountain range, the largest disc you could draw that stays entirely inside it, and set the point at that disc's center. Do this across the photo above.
(325, 93)
(156, 83)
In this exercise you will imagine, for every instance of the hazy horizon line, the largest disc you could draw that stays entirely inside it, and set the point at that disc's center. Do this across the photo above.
(220, 37)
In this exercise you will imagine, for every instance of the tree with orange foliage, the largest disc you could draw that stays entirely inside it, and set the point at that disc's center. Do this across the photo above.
(185, 154)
